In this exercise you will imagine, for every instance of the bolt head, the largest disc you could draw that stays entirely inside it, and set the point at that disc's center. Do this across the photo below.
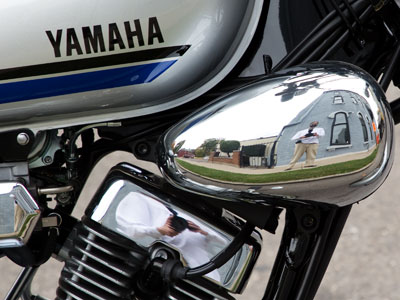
(309, 221)
(47, 160)
(23, 139)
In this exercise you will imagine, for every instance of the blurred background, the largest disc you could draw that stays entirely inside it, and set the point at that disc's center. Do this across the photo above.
(365, 265)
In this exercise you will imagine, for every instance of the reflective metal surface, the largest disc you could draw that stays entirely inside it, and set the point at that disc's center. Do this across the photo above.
(18, 215)
(321, 132)
(100, 61)
(148, 220)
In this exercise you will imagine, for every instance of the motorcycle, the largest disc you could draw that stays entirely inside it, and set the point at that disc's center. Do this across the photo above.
(218, 101)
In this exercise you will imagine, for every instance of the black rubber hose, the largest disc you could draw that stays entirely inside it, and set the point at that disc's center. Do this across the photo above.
(225, 255)
(173, 269)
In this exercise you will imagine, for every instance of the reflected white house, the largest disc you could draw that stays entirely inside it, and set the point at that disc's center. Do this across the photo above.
(348, 121)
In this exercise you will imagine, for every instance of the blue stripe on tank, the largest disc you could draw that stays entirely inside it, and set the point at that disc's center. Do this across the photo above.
(83, 82)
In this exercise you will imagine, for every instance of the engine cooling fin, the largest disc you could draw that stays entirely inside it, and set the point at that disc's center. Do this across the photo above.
(101, 265)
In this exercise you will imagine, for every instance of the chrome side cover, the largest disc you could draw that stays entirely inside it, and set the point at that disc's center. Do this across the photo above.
(153, 221)
(322, 132)
(19, 214)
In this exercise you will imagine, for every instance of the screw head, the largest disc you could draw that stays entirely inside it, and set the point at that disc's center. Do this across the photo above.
(142, 149)
(308, 221)
(23, 139)
(47, 160)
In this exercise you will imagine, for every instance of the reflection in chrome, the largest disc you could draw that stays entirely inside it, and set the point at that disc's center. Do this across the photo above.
(144, 220)
(313, 131)
(19, 214)
(141, 216)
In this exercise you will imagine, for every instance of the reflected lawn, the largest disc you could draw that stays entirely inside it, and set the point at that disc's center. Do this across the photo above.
(318, 172)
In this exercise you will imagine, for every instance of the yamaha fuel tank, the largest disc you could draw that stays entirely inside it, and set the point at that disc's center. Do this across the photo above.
(73, 62)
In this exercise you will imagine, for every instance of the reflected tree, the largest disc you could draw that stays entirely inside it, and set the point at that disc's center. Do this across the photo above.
(229, 146)
(199, 152)
(209, 145)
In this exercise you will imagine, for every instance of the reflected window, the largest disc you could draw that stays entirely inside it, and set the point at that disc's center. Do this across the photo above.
(364, 127)
(340, 134)
(338, 100)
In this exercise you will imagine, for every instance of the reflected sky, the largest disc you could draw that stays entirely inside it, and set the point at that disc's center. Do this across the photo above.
(230, 123)
(249, 119)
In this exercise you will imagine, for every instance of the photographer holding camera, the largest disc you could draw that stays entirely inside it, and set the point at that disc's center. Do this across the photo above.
(307, 141)
(141, 217)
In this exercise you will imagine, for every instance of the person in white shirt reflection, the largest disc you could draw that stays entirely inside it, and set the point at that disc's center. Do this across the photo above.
(140, 216)
(307, 141)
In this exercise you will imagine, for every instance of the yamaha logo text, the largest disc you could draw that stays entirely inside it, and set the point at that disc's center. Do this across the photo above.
(99, 38)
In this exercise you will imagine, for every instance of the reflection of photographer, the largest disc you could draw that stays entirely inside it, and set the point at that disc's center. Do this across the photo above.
(141, 217)
(167, 228)
(310, 133)
(174, 225)
(307, 141)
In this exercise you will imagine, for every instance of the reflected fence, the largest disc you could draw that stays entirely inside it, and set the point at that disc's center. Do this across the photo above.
(258, 155)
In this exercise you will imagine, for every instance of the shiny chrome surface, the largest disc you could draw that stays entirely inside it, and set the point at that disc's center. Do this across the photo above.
(56, 190)
(340, 161)
(143, 217)
(19, 214)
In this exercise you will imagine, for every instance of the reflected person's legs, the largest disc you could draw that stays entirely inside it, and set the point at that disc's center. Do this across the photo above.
(311, 155)
(299, 150)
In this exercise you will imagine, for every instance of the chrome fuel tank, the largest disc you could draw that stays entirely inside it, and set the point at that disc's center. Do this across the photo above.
(72, 62)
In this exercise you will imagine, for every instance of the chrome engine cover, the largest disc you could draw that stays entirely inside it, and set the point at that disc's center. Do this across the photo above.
(120, 235)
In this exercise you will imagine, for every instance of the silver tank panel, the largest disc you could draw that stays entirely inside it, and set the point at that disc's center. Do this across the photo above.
(72, 62)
